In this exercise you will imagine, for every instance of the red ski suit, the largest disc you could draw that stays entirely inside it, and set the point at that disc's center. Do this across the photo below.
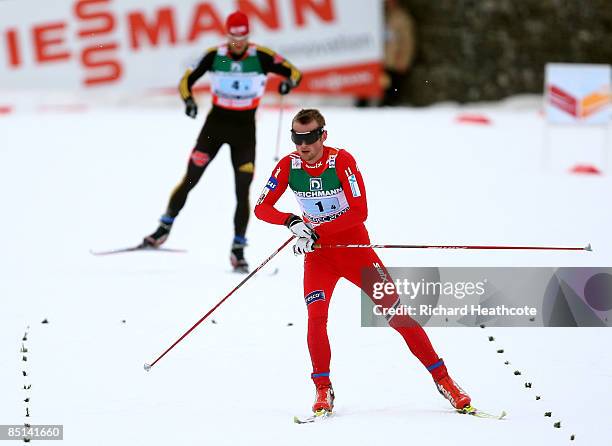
(324, 267)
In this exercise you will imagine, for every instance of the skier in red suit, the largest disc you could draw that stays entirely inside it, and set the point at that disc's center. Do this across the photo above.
(332, 196)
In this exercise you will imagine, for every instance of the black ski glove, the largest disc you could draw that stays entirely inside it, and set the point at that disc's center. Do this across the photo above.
(191, 108)
(285, 87)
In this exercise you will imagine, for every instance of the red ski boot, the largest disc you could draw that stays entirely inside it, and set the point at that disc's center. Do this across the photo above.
(324, 400)
(453, 393)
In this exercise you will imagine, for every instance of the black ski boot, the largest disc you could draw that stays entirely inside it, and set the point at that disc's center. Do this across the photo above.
(157, 239)
(239, 264)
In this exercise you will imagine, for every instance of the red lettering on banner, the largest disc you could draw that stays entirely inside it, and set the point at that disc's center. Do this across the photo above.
(97, 21)
(162, 24)
(86, 10)
(322, 8)
(205, 19)
(112, 67)
(269, 17)
(43, 43)
(12, 44)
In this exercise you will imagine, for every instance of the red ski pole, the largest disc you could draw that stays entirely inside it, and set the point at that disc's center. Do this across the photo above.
(147, 367)
(545, 248)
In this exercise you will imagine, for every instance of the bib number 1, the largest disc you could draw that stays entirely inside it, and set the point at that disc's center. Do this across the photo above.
(322, 206)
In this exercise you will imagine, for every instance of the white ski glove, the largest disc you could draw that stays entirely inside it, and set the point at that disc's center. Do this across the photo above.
(300, 229)
(305, 234)
(303, 245)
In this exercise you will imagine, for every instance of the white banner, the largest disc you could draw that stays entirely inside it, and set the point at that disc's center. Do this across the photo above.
(147, 44)
(578, 93)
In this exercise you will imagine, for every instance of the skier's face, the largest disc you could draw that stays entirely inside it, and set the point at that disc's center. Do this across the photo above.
(310, 152)
(238, 44)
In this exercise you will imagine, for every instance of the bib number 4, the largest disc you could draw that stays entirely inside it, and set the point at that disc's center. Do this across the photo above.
(237, 86)
(319, 204)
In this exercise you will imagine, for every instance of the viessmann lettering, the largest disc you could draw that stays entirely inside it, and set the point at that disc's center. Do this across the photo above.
(317, 194)
(96, 25)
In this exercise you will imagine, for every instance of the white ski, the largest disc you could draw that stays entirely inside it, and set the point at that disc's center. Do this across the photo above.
(317, 416)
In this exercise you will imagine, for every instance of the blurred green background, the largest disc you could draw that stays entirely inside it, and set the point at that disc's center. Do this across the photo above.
(479, 50)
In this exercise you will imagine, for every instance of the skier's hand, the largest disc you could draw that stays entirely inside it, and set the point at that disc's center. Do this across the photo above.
(301, 229)
(303, 245)
(285, 87)
(191, 108)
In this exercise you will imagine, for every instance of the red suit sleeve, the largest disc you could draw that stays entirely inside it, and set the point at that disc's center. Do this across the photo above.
(274, 188)
(354, 189)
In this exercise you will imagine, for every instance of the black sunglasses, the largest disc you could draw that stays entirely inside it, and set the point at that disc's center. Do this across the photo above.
(311, 137)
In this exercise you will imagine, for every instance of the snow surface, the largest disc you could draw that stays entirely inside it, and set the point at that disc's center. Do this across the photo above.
(99, 179)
